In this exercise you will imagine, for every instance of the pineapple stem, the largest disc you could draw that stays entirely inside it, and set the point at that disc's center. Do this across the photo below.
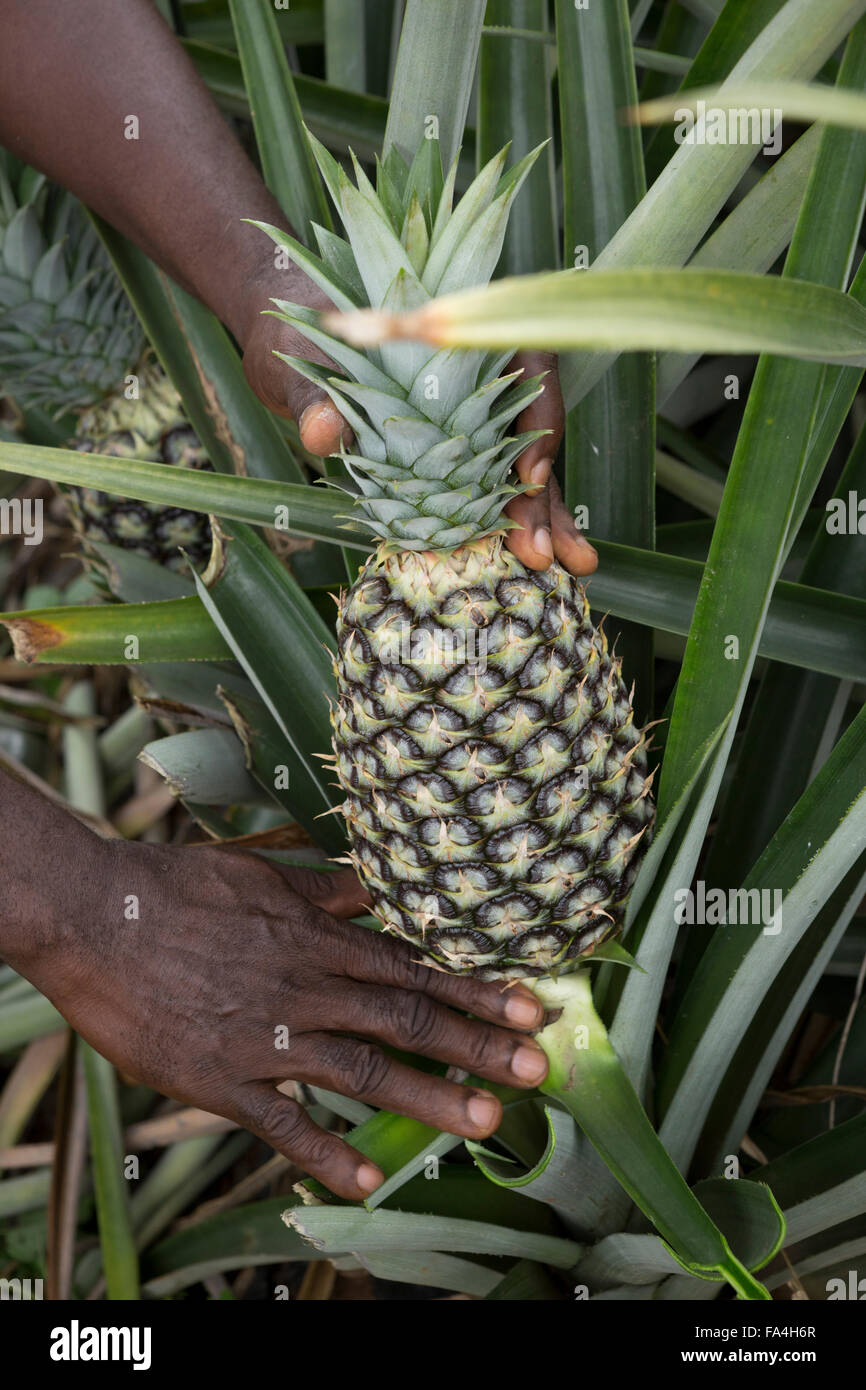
(588, 1079)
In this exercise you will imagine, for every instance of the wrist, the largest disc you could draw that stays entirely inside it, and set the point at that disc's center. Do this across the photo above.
(52, 869)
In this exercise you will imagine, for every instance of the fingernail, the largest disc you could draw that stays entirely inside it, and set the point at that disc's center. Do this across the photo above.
(540, 472)
(521, 1010)
(542, 543)
(482, 1111)
(368, 1178)
(529, 1063)
(317, 426)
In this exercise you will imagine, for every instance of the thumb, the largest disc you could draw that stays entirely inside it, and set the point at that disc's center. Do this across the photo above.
(289, 394)
(322, 427)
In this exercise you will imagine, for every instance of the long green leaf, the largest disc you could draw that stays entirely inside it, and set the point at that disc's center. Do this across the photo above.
(287, 161)
(745, 557)
(633, 310)
(820, 1183)
(815, 848)
(683, 201)
(338, 118)
(112, 1202)
(176, 629)
(733, 33)
(290, 507)
(769, 1031)
(751, 238)
(794, 101)
(282, 644)
(805, 626)
(795, 713)
(273, 763)
(341, 1229)
(756, 513)
(345, 44)
(609, 435)
(514, 107)
(434, 73)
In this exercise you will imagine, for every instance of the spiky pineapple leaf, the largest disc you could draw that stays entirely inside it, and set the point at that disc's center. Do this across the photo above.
(815, 848)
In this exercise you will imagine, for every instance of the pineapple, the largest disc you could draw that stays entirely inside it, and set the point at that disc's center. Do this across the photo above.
(69, 338)
(496, 793)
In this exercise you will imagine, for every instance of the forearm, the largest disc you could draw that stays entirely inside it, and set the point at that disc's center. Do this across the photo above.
(72, 76)
(49, 864)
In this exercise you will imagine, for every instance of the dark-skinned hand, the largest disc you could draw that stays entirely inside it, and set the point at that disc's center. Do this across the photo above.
(232, 956)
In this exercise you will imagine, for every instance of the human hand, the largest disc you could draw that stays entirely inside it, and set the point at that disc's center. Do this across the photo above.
(547, 526)
(235, 976)
(283, 390)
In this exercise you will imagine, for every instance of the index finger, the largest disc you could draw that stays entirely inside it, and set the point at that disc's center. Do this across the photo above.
(546, 412)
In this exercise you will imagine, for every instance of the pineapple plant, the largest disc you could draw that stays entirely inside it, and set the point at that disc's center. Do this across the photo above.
(496, 788)
(669, 1085)
(70, 342)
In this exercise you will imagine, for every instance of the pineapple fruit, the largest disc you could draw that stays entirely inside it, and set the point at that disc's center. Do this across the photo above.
(69, 339)
(496, 793)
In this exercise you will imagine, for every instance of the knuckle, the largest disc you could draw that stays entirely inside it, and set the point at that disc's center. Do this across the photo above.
(484, 1048)
(411, 973)
(312, 927)
(283, 1121)
(420, 1019)
(364, 1069)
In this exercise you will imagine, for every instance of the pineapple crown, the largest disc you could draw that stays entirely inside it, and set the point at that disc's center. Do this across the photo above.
(433, 452)
(68, 333)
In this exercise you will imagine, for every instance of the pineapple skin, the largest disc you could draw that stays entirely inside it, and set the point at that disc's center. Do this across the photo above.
(151, 428)
(496, 796)
(69, 338)
(497, 799)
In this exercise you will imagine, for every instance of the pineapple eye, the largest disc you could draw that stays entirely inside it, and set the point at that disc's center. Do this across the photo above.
(499, 798)
(473, 605)
(426, 717)
(462, 944)
(405, 854)
(589, 895)
(509, 912)
(545, 755)
(562, 865)
(424, 903)
(428, 790)
(544, 945)
(457, 832)
(564, 795)
(454, 878)
(559, 618)
(517, 842)
(397, 751)
(514, 721)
